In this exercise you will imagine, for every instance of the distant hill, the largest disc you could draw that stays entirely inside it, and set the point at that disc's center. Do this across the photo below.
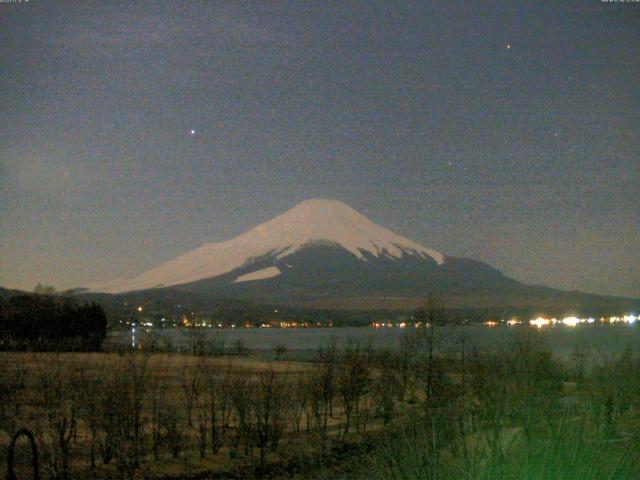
(171, 302)
(8, 293)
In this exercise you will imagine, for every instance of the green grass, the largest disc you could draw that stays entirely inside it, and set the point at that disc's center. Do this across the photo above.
(569, 452)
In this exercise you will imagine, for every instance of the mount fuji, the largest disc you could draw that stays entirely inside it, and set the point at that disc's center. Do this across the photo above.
(322, 253)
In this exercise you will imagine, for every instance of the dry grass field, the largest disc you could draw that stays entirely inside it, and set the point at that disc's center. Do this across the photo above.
(108, 415)
(351, 413)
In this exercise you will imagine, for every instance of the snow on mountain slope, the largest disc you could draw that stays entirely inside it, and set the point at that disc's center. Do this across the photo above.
(312, 221)
(268, 272)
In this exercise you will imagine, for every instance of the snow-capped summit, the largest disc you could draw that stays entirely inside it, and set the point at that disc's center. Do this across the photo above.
(314, 222)
(319, 220)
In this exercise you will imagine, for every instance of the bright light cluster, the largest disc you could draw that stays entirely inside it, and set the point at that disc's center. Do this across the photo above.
(397, 325)
(574, 321)
(629, 319)
(540, 322)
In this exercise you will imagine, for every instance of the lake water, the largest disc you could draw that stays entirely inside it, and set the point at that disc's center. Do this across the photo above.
(596, 341)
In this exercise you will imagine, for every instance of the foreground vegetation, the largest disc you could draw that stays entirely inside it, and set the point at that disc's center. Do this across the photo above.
(421, 411)
(523, 417)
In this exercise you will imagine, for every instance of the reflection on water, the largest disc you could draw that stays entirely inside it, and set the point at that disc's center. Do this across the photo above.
(599, 341)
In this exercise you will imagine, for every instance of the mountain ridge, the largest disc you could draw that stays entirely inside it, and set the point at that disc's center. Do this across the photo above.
(311, 221)
(322, 253)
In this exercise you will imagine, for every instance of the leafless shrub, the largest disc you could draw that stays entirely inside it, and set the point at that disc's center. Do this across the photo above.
(171, 430)
(158, 395)
(299, 396)
(407, 358)
(240, 348)
(217, 399)
(217, 344)
(199, 413)
(90, 386)
(189, 391)
(280, 351)
(387, 388)
(321, 391)
(12, 383)
(122, 413)
(197, 340)
(269, 409)
(353, 382)
(54, 383)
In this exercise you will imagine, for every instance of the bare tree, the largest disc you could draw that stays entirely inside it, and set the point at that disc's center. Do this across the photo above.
(200, 422)
(61, 413)
(432, 316)
(218, 402)
(122, 413)
(158, 393)
(138, 377)
(280, 351)
(197, 339)
(407, 365)
(189, 389)
(320, 393)
(353, 381)
(299, 395)
(12, 383)
(241, 392)
(171, 429)
(217, 344)
(269, 409)
(387, 388)
(91, 386)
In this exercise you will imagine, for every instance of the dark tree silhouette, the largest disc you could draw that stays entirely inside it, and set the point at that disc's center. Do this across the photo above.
(51, 323)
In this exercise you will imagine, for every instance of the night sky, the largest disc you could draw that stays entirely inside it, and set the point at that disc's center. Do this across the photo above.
(508, 132)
